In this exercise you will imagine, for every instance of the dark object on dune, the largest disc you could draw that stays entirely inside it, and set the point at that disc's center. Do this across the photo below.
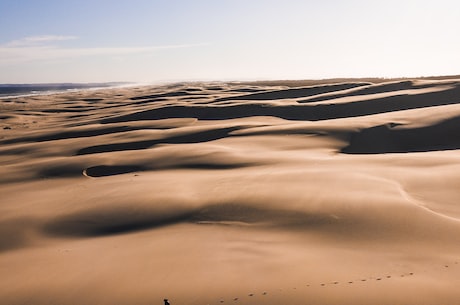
(166, 302)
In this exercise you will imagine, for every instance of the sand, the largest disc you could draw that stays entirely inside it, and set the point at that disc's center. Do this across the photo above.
(232, 193)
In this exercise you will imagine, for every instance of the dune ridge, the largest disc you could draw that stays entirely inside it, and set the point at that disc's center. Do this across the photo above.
(344, 192)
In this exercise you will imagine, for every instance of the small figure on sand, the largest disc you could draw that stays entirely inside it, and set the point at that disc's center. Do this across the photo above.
(166, 302)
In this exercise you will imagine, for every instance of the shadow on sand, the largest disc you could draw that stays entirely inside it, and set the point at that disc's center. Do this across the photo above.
(393, 138)
(299, 111)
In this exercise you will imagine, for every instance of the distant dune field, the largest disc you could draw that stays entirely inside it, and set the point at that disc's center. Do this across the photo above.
(341, 192)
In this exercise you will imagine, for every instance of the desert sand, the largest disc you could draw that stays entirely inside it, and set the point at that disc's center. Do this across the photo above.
(232, 193)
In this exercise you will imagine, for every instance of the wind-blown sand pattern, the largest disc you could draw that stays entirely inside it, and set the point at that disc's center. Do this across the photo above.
(211, 193)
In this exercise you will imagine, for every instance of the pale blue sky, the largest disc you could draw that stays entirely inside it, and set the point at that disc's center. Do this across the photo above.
(154, 40)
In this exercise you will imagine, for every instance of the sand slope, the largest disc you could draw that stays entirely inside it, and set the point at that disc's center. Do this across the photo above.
(214, 193)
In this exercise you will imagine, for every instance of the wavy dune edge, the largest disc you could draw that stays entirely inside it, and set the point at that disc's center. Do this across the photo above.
(217, 193)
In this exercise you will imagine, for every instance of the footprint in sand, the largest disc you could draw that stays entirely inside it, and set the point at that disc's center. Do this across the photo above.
(335, 283)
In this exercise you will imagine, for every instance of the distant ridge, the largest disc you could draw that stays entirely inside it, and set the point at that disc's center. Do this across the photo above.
(25, 89)
(312, 82)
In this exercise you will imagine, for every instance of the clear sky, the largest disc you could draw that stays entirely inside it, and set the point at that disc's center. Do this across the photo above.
(168, 40)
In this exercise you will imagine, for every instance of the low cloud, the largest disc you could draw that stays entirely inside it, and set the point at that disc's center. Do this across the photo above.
(42, 48)
(37, 40)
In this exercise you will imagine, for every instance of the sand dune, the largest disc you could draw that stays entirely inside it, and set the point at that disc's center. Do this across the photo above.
(232, 193)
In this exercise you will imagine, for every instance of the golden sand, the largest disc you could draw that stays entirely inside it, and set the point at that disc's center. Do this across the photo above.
(232, 193)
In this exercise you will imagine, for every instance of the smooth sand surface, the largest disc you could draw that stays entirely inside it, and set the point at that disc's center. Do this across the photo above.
(215, 193)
